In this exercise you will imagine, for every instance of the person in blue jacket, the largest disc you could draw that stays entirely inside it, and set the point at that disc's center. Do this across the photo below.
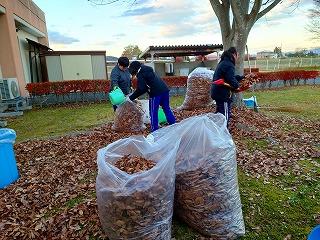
(225, 70)
(149, 82)
(120, 77)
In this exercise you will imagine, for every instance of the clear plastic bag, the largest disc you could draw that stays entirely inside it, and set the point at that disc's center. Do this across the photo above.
(128, 118)
(140, 205)
(198, 89)
(207, 195)
(144, 105)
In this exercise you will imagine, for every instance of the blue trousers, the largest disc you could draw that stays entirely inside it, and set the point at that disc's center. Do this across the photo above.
(224, 108)
(154, 103)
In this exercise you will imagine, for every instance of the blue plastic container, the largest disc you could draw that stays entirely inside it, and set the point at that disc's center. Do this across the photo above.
(250, 102)
(8, 165)
(315, 233)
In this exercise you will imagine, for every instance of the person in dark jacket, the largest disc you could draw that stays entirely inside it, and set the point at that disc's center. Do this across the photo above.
(120, 77)
(225, 70)
(149, 82)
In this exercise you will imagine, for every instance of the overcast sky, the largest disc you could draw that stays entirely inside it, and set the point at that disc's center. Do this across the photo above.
(80, 25)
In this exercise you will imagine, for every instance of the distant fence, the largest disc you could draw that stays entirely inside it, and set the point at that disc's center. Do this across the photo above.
(274, 64)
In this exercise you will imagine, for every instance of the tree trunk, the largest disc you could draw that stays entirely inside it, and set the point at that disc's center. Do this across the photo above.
(241, 37)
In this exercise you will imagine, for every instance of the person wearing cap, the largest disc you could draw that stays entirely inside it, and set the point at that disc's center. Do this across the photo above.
(120, 77)
(149, 82)
(222, 93)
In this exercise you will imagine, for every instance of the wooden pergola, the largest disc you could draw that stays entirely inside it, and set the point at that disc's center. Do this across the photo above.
(180, 50)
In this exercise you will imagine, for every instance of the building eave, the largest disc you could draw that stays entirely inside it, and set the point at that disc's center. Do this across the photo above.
(2, 9)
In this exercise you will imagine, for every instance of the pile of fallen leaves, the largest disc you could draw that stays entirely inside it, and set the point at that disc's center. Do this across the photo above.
(247, 82)
(270, 146)
(54, 197)
(134, 164)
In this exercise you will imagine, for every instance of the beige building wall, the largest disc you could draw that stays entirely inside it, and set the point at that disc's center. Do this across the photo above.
(76, 67)
(15, 16)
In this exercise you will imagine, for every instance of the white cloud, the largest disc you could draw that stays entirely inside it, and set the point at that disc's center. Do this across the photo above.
(59, 38)
(174, 31)
(178, 18)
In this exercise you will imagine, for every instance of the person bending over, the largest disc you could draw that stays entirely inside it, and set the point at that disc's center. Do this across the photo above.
(149, 82)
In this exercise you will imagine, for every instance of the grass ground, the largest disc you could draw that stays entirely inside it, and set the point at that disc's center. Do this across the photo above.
(299, 101)
(57, 121)
(282, 207)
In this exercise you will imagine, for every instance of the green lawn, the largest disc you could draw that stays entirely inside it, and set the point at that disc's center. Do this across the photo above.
(281, 206)
(302, 101)
(57, 121)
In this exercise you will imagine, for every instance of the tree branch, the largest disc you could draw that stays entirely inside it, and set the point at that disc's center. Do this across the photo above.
(254, 12)
(233, 29)
(245, 6)
(267, 9)
(222, 12)
(237, 12)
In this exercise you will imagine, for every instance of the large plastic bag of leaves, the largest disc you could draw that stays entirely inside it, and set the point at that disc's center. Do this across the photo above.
(138, 205)
(207, 195)
(128, 118)
(198, 89)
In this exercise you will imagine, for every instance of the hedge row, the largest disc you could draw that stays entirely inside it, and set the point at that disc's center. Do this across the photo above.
(64, 87)
(103, 86)
(288, 75)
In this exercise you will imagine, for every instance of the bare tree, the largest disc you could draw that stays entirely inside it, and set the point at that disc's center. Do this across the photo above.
(314, 24)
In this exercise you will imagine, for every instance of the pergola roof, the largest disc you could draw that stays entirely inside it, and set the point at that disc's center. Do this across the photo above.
(180, 50)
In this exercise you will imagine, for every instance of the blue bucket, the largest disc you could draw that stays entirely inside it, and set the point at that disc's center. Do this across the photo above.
(250, 102)
(315, 233)
(8, 165)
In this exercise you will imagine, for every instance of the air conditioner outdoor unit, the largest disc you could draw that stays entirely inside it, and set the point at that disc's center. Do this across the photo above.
(9, 88)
